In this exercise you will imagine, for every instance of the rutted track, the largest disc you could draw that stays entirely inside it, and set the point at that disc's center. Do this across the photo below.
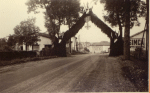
(82, 73)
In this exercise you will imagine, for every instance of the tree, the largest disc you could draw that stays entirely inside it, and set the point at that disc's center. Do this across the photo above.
(3, 43)
(119, 13)
(72, 15)
(26, 32)
(11, 42)
(58, 12)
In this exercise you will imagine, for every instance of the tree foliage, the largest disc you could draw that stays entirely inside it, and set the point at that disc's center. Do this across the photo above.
(116, 10)
(26, 32)
(58, 12)
(4, 46)
(3, 43)
(11, 41)
(124, 13)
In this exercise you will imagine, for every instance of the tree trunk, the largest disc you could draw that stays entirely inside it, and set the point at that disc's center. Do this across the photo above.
(70, 38)
(70, 45)
(111, 47)
(127, 31)
(62, 49)
(76, 46)
(120, 37)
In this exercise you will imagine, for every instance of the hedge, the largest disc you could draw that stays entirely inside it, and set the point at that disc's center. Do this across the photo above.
(16, 54)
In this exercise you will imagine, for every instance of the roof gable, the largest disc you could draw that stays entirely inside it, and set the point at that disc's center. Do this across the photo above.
(44, 35)
(137, 33)
(102, 43)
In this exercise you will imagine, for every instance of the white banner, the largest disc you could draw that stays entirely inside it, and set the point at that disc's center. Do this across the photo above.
(134, 42)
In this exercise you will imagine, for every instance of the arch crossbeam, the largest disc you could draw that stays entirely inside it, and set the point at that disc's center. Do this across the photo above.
(75, 28)
(80, 23)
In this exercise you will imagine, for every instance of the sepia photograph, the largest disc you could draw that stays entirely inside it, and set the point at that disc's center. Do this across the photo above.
(74, 46)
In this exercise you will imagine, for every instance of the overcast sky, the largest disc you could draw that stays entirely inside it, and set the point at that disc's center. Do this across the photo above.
(12, 12)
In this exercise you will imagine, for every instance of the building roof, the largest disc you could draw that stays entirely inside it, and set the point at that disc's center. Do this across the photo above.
(137, 33)
(44, 35)
(84, 44)
(102, 43)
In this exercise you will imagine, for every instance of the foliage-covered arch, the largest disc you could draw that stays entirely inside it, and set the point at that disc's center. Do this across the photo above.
(61, 47)
(80, 23)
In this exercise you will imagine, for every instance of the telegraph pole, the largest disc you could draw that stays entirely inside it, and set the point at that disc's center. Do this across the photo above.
(147, 30)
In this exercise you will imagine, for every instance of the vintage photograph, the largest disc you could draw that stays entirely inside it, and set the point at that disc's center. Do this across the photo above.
(94, 46)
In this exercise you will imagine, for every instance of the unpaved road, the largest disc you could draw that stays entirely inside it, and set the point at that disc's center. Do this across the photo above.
(80, 73)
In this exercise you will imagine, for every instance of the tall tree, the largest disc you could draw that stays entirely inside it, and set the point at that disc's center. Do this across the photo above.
(58, 12)
(3, 43)
(26, 32)
(72, 15)
(11, 42)
(119, 11)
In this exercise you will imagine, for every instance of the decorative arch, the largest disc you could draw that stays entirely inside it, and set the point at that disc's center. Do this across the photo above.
(61, 47)
(80, 23)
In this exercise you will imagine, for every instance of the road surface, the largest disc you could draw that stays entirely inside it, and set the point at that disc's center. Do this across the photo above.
(79, 73)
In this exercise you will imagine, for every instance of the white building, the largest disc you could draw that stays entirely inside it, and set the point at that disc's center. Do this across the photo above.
(82, 45)
(99, 47)
(45, 42)
(136, 39)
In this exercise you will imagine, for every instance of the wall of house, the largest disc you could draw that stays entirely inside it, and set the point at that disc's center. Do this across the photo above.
(99, 49)
(29, 48)
(43, 41)
(73, 44)
(96, 49)
(136, 43)
(106, 48)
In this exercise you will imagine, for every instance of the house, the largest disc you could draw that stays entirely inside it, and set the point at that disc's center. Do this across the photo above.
(44, 42)
(83, 45)
(136, 40)
(99, 47)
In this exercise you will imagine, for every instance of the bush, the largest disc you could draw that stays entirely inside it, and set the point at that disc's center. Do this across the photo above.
(47, 52)
(86, 49)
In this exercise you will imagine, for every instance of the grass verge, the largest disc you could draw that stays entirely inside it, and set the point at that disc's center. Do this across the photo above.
(23, 60)
(136, 71)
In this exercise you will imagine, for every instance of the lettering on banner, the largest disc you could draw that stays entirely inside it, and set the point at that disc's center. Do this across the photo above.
(136, 42)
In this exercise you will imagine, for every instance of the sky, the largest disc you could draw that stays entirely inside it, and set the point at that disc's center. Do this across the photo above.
(12, 12)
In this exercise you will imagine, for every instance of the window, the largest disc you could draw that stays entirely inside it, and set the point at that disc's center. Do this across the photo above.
(48, 46)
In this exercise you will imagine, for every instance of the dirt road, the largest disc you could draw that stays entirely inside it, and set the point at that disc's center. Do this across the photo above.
(80, 73)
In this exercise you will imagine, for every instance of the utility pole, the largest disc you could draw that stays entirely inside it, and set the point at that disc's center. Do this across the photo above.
(76, 44)
(79, 43)
(147, 30)
(70, 38)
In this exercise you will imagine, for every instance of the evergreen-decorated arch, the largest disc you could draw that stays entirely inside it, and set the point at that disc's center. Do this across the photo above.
(114, 47)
